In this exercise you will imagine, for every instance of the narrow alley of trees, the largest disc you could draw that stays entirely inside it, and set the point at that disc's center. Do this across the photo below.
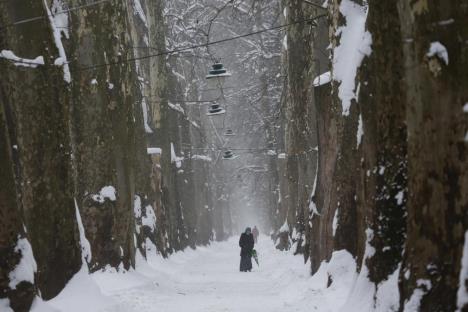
(347, 122)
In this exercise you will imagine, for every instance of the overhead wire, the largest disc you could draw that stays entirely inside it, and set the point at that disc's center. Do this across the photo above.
(182, 101)
(176, 50)
(198, 45)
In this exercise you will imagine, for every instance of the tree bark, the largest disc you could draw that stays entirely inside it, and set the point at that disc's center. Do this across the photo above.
(11, 224)
(39, 100)
(383, 187)
(437, 150)
(104, 131)
(300, 131)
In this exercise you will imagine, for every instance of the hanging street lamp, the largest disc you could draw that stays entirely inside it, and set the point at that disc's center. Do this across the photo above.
(215, 109)
(217, 75)
(229, 132)
(228, 155)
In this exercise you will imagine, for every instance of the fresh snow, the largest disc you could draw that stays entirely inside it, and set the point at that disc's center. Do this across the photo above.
(335, 222)
(361, 297)
(106, 192)
(176, 107)
(193, 123)
(312, 205)
(5, 305)
(174, 158)
(57, 33)
(145, 116)
(414, 303)
(60, 17)
(381, 170)
(154, 150)
(360, 132)
(208, 279)
(137, 207)
(446, 22)
(138, 9)
(355, 43)
(285, 42)
(285, 227)
(19, 61)
(85, 245)
(81, 293)
(322, 79)
(388, 294)
(27, 266)
(399, 197)
(439, 50)
(462, 295)
(149, 219)
(137, 214)
(202, 157)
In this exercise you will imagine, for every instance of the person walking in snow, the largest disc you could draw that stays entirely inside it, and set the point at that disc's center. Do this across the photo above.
(246, 243)
(255, 234)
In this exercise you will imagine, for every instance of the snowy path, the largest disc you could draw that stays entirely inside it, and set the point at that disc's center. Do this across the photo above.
(208, 280)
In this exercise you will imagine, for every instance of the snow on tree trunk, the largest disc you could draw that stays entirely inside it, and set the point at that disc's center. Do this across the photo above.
(37, 101)
(103, 125)
(382, 136)
(435, 62)
(21, 294)
(338, 160)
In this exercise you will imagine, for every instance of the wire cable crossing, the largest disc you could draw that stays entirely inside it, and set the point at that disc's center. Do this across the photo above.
(200, 45)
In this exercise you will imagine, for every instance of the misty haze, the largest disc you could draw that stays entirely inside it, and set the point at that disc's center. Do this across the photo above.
(233, 156)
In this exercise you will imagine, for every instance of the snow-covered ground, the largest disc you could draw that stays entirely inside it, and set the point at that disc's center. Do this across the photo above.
(208, 279)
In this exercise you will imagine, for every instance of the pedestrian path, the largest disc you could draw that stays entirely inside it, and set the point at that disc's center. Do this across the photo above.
(208, 279)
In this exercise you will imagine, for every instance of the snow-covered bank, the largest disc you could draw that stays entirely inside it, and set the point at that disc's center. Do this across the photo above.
(207, 279)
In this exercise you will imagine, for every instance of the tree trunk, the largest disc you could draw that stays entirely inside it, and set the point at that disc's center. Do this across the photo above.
(104, 131)
(382, 141)
(437, 150)
(300, 131)
(20, 295)
(39, 100)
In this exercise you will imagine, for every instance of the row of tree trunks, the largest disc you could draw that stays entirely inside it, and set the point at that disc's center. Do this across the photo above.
(393, 171)
(75, 141)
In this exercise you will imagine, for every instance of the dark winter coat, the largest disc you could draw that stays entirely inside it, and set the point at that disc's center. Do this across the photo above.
(246, 243)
